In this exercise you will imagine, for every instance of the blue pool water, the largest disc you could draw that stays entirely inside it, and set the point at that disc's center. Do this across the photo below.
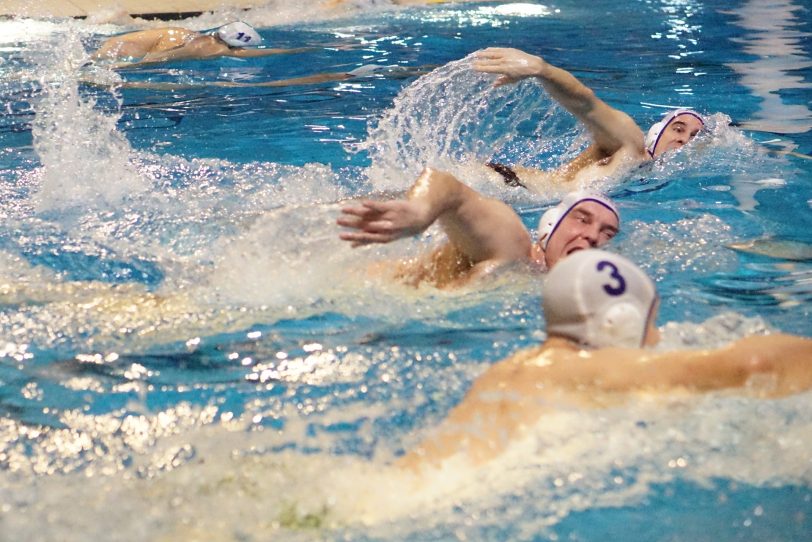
(187, 351)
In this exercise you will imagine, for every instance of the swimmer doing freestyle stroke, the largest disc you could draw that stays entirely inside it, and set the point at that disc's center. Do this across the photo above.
(236, 39)
(600, 312)
(618, 144)
(484, 234)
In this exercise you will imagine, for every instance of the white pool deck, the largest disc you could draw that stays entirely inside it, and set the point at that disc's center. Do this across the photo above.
(84, 8)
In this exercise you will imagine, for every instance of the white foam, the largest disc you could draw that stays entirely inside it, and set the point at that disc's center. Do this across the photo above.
(191, 475)
(86, 162)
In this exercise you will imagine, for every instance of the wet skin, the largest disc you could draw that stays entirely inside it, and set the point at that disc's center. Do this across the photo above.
(588, 225)
(678, 133)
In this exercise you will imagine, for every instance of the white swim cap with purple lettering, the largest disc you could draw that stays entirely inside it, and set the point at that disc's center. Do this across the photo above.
(552, 217)
(598, 299)
(239, 34)
(654, 133)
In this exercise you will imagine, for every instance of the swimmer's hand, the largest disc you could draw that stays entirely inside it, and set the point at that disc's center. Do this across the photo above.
(513, 65)
(383, 221)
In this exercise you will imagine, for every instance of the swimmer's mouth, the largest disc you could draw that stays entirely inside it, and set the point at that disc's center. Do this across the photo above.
(575, 249)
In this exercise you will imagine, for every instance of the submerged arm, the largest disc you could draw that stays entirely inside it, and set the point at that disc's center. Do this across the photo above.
(612, 129)
(250, 53)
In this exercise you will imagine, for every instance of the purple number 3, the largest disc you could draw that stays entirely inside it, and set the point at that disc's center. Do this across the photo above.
(613, 290)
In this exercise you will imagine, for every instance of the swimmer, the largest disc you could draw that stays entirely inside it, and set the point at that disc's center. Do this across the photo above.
(600, 311)
(236, 39)
(484, 234)
(618, 144)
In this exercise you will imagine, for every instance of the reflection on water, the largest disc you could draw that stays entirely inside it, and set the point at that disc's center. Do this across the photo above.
(777, 43)
(189, 341)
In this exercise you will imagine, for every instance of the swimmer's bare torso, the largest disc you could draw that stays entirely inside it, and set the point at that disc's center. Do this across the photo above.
(140, 44)
(593, 163)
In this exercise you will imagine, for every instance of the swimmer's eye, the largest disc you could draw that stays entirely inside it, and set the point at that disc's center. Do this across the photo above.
(608, 233)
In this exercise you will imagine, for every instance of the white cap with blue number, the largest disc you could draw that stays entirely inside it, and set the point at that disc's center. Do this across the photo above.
(598, 299)
(239, 34)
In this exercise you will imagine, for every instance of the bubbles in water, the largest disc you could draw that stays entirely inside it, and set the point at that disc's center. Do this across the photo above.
(715, 332)
(695, 244)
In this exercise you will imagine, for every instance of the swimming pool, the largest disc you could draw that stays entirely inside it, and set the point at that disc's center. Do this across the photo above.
(189, 353)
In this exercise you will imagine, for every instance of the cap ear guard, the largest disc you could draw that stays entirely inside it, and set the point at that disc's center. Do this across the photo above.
(598, 299)
(621, 324)
(549, 220)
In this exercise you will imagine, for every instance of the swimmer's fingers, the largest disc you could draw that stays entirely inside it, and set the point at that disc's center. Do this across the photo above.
(505, 80)
(358, 239)
(381, 207)
(512, 64)
(505, 76)
(494, 52)
(355, 217)
(371, 226)
(367, 209)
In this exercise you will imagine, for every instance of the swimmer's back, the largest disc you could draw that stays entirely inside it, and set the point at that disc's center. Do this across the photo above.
(143, 42)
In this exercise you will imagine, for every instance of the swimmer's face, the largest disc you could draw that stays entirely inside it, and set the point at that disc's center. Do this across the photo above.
(679, 131)
(588, 225)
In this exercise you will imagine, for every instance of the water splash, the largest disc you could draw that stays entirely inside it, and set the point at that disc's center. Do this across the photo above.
(454, 115)
(86, 162)
(189, 474)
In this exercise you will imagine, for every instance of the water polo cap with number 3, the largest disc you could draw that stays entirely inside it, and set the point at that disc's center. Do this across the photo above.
(598, 299)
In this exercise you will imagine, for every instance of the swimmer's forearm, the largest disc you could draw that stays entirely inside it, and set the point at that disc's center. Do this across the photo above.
(249, 53)
(785, 360)
(566, 89)
(437, 192)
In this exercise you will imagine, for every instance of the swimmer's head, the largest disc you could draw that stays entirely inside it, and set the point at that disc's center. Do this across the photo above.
(599, 299)
(582, 220)
(238, 34)
(675, 129)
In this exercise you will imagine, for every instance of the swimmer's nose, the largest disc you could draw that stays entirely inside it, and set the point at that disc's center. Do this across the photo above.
(592, 235)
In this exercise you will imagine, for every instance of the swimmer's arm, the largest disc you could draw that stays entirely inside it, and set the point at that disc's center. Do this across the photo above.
(612, 129)
(785, 359)
(201, 47)
(181, 53)
(251, 53)
(480, 228)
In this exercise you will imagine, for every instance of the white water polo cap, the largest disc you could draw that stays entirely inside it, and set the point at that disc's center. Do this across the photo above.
(598, 299)
(239, 34)
(656, 131)
(552, 217)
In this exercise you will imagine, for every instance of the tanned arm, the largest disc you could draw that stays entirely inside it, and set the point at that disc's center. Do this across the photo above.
(611, 129)
(483, 229)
